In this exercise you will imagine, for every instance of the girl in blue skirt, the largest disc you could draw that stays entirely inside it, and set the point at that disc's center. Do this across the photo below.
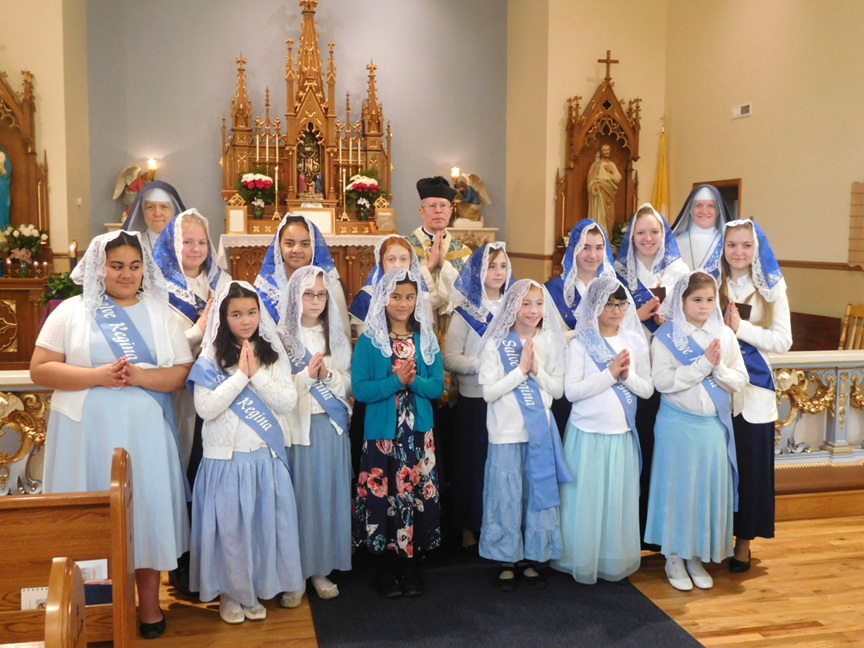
(477, 298)
(397, 372)
(521, 371)
(750, 275)
(696, 365)
(244, 517)
(319, 454)
(609, 368)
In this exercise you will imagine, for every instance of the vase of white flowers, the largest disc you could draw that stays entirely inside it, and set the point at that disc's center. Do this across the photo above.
(23, 242)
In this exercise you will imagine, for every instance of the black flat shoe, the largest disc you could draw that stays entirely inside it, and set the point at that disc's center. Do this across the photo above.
(739, 566)
(507, 584)
(537, 581)
(153, 630)
(412, 585)
(388, 585)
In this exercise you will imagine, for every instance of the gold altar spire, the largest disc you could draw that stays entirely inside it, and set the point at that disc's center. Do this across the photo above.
(241, 104)
(290, 76)
(373, 113)
(309, 73)
(331, 82)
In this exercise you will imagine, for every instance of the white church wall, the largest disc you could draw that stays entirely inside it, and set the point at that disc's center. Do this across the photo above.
(162, 73)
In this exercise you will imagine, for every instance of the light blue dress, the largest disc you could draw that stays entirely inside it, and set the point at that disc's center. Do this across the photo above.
(78, 455)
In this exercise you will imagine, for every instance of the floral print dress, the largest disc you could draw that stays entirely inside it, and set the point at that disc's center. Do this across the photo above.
(397, 504)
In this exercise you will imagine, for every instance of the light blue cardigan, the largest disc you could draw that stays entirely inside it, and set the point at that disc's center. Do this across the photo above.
(375, 383)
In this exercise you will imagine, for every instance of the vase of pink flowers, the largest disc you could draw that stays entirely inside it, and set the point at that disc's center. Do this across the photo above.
(23, 242)
(256, 186)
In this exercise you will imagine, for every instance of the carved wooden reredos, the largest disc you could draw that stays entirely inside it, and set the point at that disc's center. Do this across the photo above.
(310, 139)
(29, 185)
(605, 121)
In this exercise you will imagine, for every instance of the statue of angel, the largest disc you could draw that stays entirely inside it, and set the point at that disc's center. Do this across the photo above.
(472, 194)
(128, 184)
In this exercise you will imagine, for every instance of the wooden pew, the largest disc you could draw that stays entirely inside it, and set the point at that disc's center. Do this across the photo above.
(82, 526)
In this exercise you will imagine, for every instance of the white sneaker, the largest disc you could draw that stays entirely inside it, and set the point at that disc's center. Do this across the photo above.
(293, 599)
(325, 588)
(677, 573)
(230, 610)
(701, 578)
(255, 613)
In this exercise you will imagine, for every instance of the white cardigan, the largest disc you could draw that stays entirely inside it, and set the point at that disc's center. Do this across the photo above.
(759, 405)
(504, 419)
(68, 329)
(596, 408)
(682, 384)
(273, 384)
(339, 384)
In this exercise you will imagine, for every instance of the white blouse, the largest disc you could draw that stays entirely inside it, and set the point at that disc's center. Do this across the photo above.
(224, 432)
(339, 383)
(682, 384)
(596, 407)
(504, 419)
(461, 355)
(759, 405)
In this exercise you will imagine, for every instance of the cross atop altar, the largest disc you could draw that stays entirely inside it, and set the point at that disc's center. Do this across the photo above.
(311, 156)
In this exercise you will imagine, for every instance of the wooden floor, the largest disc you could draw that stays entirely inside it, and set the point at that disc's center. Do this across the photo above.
(805, 589)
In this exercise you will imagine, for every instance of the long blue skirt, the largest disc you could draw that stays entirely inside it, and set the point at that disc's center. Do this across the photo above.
(512, 530)
(321, 474)
(600, 509)
(691, 499)
(244, 529)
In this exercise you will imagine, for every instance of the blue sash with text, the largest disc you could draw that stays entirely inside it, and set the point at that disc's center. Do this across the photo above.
(628, 401)
(248, 406)
(124, 339)
(191, 312)
(546, 465)
(721, 398)
(642, 296)
(336, 409)
(760, 373)
(555, 286)
(478, 326)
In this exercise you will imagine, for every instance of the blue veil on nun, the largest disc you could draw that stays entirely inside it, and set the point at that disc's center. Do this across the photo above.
(765, 270)
(272, 280)
(469, 291)
(562, 288)
(168, 253)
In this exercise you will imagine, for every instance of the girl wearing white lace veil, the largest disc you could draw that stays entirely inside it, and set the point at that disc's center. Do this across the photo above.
(587, 257)
(477, 297)
(397, 372)
(750, 278)
(391, 252)
(521, 370)
(609, 368)
(320, 452)
(649, 258)
(113, 355)
(297, 243)
(696, 365)
(244, 515)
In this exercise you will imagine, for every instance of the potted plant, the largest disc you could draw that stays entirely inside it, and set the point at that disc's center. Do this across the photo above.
(257, 190)
(362, 192)
(23, 243)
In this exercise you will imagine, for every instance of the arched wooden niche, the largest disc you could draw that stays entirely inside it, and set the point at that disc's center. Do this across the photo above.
(29, 180)
(605, 121)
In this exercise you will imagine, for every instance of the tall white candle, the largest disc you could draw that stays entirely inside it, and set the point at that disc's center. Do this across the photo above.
(267, 147)
(257, 147)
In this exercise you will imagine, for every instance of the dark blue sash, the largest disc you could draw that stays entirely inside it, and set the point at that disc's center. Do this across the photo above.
(642, 296)
(124, 339)
(478, 326)
(760, 373)
(721, 398)
(555, 286)
(336, 409)
(360, 305)
(628, 401)
(546, 463)
(190, 311)
(248, 406)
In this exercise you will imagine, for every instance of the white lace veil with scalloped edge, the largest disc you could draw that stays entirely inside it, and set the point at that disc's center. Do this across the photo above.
(266, 325)
(627, 262)
(501, 324)
(672, 310)
(376, 320)
(291, 311)
(587, 329)
(91, 271)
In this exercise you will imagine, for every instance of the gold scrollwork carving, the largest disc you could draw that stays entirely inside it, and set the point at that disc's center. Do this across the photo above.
(8, 325)
(844, 383)
(856, 397)
(801, 401)
(24, 414)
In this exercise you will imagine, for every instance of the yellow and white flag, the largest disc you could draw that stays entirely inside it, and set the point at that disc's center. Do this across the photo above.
(660, 199)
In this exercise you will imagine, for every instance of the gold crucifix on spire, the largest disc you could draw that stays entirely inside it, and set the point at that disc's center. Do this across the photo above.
(609, 62)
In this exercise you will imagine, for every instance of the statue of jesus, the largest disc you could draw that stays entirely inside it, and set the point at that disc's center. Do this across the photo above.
(603, 179)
